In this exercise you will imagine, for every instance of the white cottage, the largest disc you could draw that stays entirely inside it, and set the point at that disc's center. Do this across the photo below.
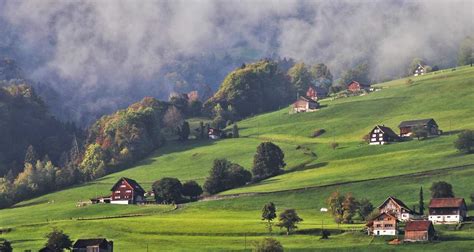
(420, 70)
(447, 210)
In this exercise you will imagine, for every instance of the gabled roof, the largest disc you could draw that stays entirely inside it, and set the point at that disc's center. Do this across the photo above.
(370, 223)
(307, 99)
(397, 201)
(447, 203)
(356, 82)
(131, 182)
(418, 225)
(412, 123)
(84, 243)
(387, 131)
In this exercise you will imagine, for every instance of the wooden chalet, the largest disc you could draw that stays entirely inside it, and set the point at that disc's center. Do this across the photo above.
(419, 231)
(127, 191)
(407, 127)
(420, 70)
(305, 104)
(397, 208)
(447, 210)
(316, 93)
(355, 86)
(380, 135)
(383, 224)
(93, 245)
(214, 133)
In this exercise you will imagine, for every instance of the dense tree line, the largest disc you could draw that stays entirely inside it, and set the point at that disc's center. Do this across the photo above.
(171, 190)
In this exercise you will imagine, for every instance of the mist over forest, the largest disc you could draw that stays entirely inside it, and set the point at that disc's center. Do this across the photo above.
(88, 58)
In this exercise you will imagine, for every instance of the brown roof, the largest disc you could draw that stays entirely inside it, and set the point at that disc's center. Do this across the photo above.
(131, 182)
(399, 202)
(413, 123)
(84, 243)
(418, 225)
(387, 131)
(447, 202)
(360, 84)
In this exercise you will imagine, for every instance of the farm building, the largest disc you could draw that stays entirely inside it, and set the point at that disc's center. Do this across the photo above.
(127, 191)
(397, 208)
(382, 135)
(93, 245)
(305, 104)
(419, 231)
(355, 86)
(383, 224)
(214, 133)
(447, 210)
(316, 93)
(430, 125)
(420, 70)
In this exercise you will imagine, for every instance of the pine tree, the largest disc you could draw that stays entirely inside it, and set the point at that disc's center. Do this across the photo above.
(31, 156)
(422, 205)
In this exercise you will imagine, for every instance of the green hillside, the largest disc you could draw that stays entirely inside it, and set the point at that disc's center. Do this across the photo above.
(233, 222)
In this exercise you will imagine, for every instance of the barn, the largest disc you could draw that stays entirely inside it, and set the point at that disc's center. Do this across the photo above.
(127, 191)
(407, 127)
(419, 231)
(380, 135)
(93, 245)
(447, 210)
(305, 104)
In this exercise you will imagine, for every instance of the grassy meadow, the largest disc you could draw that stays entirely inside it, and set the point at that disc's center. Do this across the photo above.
(233, 222)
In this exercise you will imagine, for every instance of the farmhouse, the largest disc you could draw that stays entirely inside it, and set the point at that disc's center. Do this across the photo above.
(383, 224)
(447, 210)
(316, 93)
(419, 230)
(407, 127)
(382, 135)
(214, 133)
(93, 245)
(397, 208)
(305, 104)
(420, 70)
(127, 191)
(355, 86)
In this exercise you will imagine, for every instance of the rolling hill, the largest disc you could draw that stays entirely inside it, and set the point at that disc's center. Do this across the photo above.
(233, 221)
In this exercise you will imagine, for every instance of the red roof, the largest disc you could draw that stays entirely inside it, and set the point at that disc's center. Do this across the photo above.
(418, 225)
(447, 203)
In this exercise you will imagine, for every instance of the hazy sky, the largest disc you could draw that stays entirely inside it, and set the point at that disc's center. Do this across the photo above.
(94, 52)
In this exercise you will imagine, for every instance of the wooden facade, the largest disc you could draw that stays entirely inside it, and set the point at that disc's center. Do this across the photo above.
(305, 104)
(93, 245)
(419, 231)
(430, 125)
(420, 70)
(397, 208)
(316, 93)
(383, 224)
(127, 191)
(380, 135)
(355, 86)
(447, 210)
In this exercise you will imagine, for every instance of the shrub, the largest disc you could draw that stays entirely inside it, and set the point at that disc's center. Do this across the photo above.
(409, 82)
(318, 132)
(334, 145)
(191, 189)
(268, 245)
(325, 234)
(465, 141)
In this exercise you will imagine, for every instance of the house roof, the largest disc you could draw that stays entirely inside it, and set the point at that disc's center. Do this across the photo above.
(418, 225)
(411, 123)
(399, 202)
(387, 131)
(360, 84)
(447, 203)
(131, 182)
(84, 243)
(306, 99)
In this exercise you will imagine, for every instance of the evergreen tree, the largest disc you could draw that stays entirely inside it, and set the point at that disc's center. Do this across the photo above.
(31, 156)
(268, 214)
(268, 161)
(183, 131)
(421, 203)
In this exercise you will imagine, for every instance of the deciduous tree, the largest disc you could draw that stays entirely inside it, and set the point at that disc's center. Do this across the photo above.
(167, 190)
(288, 220)
(58, 241)
(465, 141)
(441, 189)
(268, 214)
(268, 161)
(268, 245)
(191, 189)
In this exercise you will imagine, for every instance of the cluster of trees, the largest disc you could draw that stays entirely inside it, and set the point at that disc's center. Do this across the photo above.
(465, 141)
(171, 190)
(303, 76)
(288, 219)
(466, 51)
(225, 175)
(344, 207)
(117, 140)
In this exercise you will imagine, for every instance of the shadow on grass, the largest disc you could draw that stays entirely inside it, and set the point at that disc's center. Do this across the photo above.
(38, 202)
(304, 167)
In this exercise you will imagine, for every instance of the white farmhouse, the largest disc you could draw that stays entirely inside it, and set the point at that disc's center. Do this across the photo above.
(447, 210)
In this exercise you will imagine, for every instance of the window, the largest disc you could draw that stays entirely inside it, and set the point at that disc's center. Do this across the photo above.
(448, 216)
(123, 186)
(117, 197)
(388, 225)
(378, 225)
(129, 191)
(117, 191)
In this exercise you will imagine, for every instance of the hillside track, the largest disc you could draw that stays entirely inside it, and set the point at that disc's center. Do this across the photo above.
(401, 176)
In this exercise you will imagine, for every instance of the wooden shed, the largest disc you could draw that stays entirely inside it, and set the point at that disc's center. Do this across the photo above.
(419, 231)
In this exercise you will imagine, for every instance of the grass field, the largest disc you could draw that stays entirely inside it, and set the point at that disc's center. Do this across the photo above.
(233, 223)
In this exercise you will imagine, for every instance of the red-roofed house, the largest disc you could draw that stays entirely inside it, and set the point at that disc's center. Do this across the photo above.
(397, 208)
(447, 210)
(355, 86)
(419, 230)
